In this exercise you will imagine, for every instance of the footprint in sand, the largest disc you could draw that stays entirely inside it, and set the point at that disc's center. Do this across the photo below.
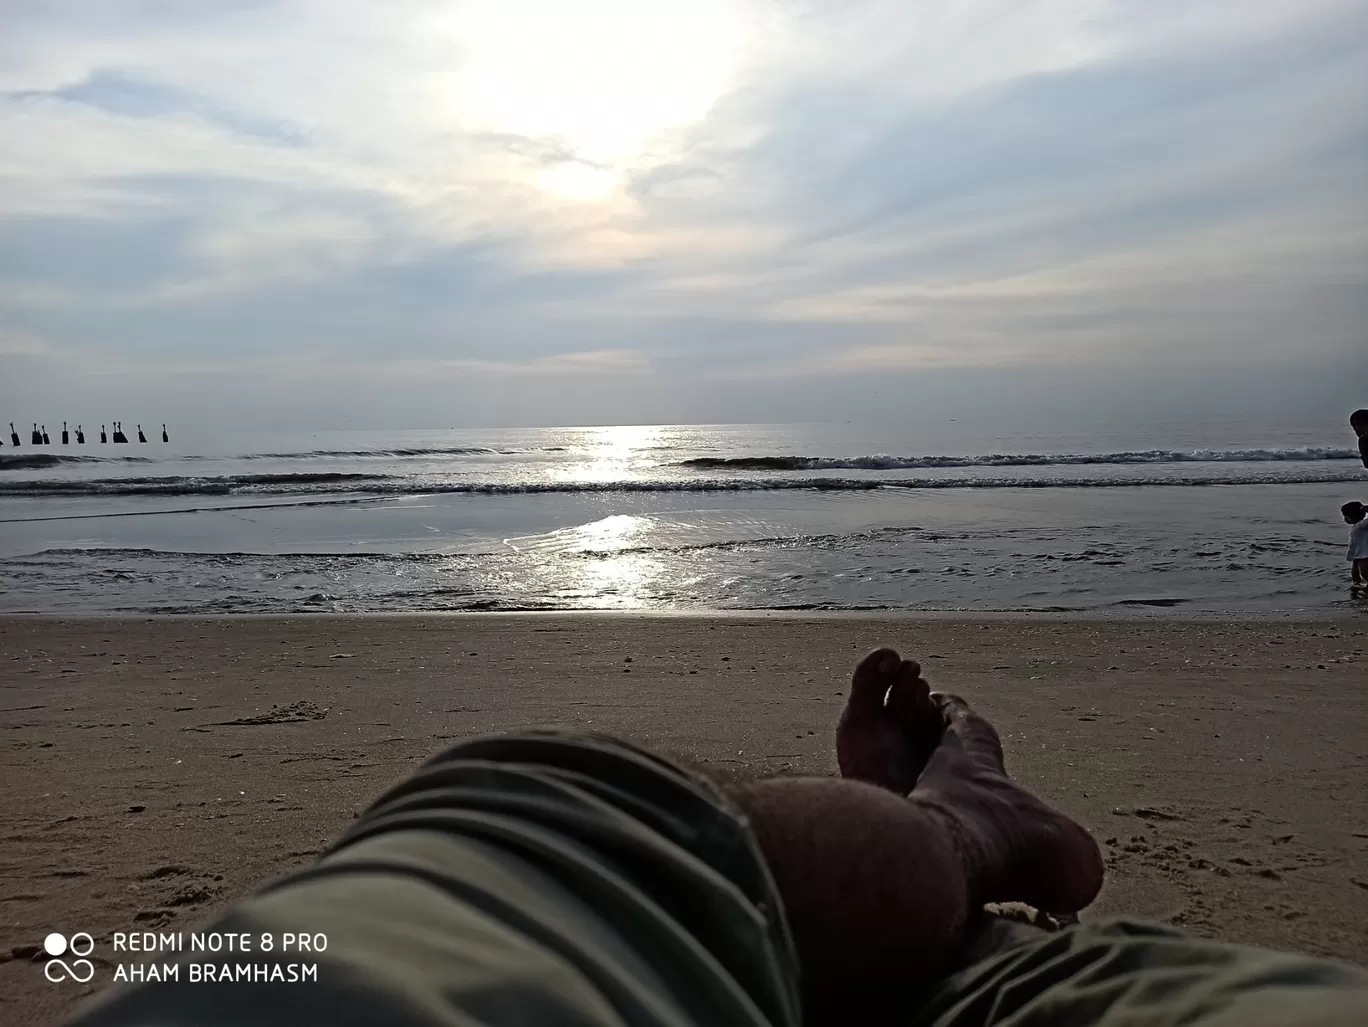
(170, 870)
(290, 713)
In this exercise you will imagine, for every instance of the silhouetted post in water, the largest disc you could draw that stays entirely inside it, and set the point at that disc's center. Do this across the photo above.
(14, 435)
(37, 439)
(46, 441)
(165, 437)
(66, 435)
(141, 436)
(103, 436)
(80, 436)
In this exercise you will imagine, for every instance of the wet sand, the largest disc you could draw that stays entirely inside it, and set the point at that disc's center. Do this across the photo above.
(157, 768)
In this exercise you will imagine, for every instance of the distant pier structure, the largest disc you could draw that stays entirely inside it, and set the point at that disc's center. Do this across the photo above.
(38, 436)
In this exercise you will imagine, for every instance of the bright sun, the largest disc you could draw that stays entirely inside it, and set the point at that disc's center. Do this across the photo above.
(579, 181)
(603, 79)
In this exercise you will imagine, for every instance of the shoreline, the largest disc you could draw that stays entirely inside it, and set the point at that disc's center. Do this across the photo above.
(161, 766)
(1348, 615)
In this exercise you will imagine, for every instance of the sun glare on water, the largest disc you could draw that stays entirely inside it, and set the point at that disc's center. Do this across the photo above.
(599, 83)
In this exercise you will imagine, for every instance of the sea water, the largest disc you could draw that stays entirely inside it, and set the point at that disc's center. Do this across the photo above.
(947, 515)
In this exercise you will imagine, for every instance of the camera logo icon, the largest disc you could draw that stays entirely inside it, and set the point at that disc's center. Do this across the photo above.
(80, 970)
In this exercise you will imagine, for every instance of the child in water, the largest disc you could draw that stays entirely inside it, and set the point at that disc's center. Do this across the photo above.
(1356, 516)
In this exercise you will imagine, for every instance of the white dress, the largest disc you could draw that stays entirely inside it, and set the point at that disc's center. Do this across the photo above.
(1358, 540)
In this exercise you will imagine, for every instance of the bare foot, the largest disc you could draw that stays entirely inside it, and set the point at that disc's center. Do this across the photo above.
(883, 890)
(896, 734)
(874, 737)
(1015, 847)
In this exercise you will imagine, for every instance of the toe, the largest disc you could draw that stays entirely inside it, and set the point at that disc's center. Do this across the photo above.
(879, 665)
(909, 700)
(872, 679)
(973, 734)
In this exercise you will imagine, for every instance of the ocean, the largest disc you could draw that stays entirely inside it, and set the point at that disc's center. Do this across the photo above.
(961, 515)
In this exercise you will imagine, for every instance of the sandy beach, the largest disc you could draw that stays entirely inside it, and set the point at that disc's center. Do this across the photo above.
(158, 768)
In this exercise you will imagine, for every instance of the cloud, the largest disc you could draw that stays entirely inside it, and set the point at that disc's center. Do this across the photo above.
(1153, 197)
(684, 192)
(123, 95)
(14, 343)
(609, 362)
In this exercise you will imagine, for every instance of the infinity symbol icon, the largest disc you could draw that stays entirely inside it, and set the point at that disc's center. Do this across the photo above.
(73, 971)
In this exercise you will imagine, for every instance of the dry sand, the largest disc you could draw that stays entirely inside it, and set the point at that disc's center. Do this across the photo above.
(156, 769)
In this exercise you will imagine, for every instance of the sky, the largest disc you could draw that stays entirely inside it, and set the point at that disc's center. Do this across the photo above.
(433, 213)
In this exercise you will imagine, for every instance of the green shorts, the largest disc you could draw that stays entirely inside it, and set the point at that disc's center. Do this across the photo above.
(568, 880)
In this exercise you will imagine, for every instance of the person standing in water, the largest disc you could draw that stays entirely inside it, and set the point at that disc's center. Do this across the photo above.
(36, 438)
(1358, 420)
(80, 436)
(46, 441)
(165, 437)
(66, 435)
(1356, 516)
(14, 435)
(104, 436)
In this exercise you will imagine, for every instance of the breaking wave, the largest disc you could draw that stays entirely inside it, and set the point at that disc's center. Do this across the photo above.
(386, 485)
(223, 485)
(1148, 456)
(29, 461)
(400, 452)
